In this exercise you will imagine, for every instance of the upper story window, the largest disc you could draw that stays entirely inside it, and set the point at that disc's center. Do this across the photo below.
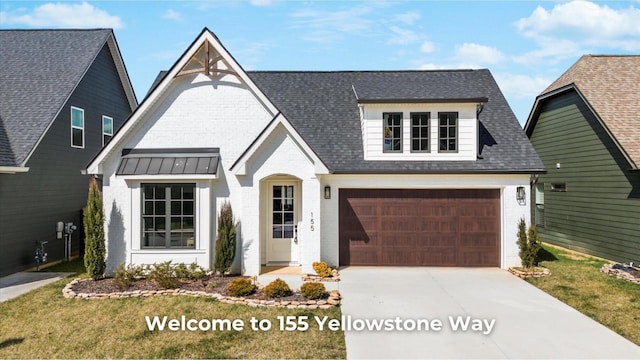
(168, 219)
(448, 132)
(107, 129)
(77, 127)
(420, 132)
(392, 128)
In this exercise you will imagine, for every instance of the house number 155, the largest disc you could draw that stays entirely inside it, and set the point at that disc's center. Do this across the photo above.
(311, 222)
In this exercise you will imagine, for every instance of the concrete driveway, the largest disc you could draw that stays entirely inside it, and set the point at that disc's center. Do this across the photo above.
(14, 285)
(505, 317)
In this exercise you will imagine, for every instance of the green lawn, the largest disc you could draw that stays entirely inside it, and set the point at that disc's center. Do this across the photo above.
(43, 324)
(576, 280)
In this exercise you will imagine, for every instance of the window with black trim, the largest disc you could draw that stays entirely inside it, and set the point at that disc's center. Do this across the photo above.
(392, 129)
(448, 132)
(107, 129)
(559, 187)
(77, 127)
(168, 217)
(420, 132)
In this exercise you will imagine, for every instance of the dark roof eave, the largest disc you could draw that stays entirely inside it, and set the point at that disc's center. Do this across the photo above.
(437, 172)
(425, 101)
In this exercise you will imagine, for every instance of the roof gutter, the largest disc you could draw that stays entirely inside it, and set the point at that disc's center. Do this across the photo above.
(13, 169)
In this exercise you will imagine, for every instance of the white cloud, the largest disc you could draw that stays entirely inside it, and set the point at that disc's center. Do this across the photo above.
(327, 26)
(62, 15)
(403, 36)
(427, 47)
(471, 52)
(448, 66)
(522, 86)
(261, 2)
(172, 15)
(579, 25)
(408, 17)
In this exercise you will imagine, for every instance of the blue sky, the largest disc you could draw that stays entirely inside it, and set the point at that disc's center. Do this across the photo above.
(525, 44)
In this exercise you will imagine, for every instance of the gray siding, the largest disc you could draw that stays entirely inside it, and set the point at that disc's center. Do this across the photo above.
(53, 189)
(599, 214)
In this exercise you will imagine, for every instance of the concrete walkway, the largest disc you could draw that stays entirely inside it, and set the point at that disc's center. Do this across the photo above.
(20, 283)
(528, 322)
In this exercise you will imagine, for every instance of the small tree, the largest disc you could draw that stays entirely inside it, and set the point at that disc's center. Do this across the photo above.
(529, 244)
(95, 251)
(522, 240)
(533, 245)
(226, 240)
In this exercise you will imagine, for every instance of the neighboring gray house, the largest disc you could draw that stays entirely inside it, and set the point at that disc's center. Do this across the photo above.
(63, 95)
(586, 128)
(410, 168)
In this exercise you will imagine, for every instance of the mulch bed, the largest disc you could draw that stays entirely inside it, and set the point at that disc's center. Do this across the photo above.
(209, 284)
(622, 271)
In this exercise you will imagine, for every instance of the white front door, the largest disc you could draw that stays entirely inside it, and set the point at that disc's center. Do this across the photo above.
(282, 231)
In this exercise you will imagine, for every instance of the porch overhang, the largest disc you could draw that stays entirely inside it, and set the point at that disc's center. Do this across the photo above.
(169, 163)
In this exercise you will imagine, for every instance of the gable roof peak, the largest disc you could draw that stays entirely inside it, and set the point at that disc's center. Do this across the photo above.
(610, 84)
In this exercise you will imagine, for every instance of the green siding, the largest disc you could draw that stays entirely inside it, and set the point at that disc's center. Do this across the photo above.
(599, 214)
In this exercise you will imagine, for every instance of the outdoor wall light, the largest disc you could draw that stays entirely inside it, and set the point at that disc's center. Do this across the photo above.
(327, 192)
(520, 195)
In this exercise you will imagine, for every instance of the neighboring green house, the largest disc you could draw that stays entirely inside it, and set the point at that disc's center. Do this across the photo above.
(586, 128)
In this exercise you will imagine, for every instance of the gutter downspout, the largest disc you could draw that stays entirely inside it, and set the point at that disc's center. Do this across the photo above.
(479, 109)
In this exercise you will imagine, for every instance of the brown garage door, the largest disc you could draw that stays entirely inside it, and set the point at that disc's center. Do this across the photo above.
(420, 227)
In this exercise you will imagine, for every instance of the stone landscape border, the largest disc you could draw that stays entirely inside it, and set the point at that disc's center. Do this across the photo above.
(611, 270)
(333, 299)
(536, 273)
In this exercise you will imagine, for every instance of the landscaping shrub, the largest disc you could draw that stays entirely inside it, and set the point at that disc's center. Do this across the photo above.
(313, 290)
(241, 287)
(226, 240)
(192, 272)
(321, 269)
(95, 250)
(124, 276)
(277, 288)
(529, 244)
(164, 275)
(534, 245)
(196, 271)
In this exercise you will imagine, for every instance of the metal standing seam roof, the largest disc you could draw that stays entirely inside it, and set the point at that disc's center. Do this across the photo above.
(169, 162)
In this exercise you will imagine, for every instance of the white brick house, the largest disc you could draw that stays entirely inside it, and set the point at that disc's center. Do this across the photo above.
(353, 168)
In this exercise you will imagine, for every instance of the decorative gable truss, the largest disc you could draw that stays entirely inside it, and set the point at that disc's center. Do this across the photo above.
(208, 61)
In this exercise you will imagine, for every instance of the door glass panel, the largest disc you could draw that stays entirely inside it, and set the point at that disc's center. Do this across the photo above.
(282, 211)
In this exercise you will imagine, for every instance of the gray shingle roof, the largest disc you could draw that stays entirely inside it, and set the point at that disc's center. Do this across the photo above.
(39, 70)
(323, 108)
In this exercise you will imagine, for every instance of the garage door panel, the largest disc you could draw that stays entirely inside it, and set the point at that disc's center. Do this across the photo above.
(474, 257)
(365, 256)
(399, 239)
(442, 257)
(419, 227)
(441, 240)
(399, 257)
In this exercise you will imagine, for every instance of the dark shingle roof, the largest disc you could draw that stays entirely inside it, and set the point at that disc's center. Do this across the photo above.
(39, 70)
(323, 108)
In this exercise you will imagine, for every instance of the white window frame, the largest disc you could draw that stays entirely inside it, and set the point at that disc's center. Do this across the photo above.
(105, 117)
(77, 127)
